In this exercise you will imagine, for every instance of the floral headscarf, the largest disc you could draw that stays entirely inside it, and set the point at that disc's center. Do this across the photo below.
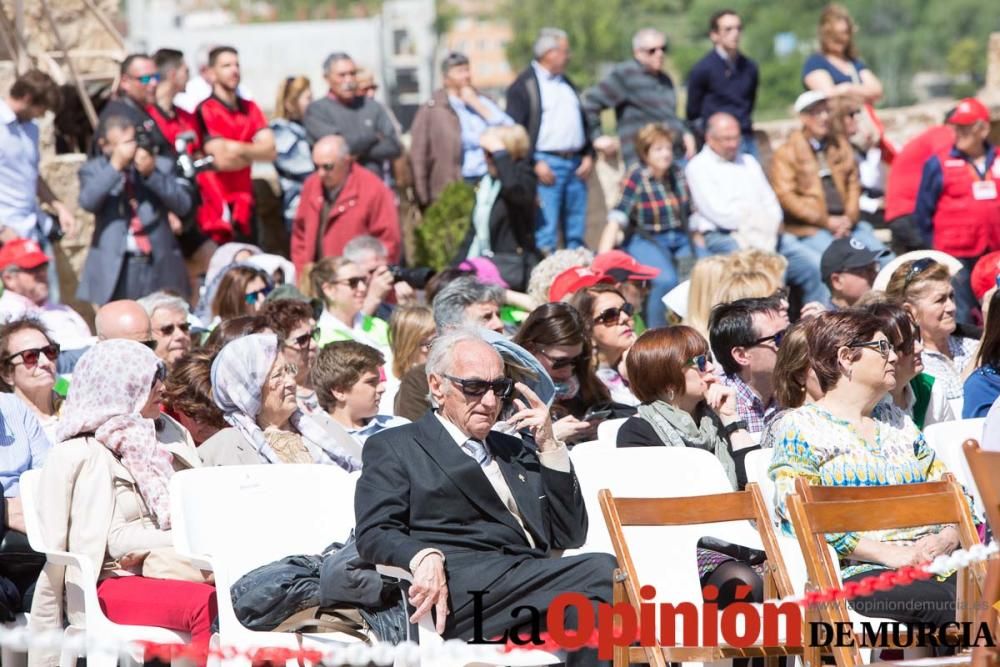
(111, 384)
(239, 373)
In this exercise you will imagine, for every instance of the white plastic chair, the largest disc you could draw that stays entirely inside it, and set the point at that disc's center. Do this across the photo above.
(9, 656)
(97, 628)
(946, 439)
(233, 519)
(607, 430)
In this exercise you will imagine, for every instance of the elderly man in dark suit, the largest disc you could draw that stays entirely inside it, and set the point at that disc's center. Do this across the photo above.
(130, 190)
(467, 509)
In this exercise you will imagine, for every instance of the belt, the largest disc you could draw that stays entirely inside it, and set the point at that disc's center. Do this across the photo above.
(566, 155)
(138, 258)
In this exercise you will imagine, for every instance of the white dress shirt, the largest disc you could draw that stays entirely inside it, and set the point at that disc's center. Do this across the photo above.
(561, 127)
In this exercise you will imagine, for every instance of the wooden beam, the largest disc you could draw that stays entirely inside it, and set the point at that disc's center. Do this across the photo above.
(88, 105)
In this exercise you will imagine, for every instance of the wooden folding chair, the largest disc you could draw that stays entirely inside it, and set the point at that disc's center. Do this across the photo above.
(985, 469)
(818, 510)
(641, 558)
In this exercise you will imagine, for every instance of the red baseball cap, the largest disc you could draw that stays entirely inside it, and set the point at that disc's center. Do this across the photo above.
(622, 266)
(22, 253)
(969, 111)
(573, 280)
(984, 274)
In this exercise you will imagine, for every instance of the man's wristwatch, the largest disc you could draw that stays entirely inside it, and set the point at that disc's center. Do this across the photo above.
(733, 427)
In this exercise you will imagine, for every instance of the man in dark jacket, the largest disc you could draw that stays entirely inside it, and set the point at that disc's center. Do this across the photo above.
(130, 191)
(546, 103)
(473, 513)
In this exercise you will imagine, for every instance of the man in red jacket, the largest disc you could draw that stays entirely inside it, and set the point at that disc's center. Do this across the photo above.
(340, 201)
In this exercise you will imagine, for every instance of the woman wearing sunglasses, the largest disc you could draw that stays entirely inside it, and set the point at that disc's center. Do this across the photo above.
(294, 323)
(924, 288)
(254, 385)
(609, 317)
(106, 491)
(242, 290)
(28, 369)
(836, 441)
(343, 285)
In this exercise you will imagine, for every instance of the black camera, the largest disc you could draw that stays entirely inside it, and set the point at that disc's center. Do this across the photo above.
(188, 166)
(415, 277)
(144, 138)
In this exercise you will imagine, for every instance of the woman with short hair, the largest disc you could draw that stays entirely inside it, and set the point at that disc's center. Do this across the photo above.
(294, 322)
(342, 286)
(28, 358)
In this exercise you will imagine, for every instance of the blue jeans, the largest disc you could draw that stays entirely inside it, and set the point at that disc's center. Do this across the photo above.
(660, 251)
(863, 232)
(749, 146)
(720, 243)
(563, 205)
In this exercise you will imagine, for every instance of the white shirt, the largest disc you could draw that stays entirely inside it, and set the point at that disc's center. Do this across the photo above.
(65, 324)
(197, 91)
(561, 126)
(732, 196)
(19, 158)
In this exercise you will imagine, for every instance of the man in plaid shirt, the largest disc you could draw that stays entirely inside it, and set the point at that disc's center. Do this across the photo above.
(745, 336)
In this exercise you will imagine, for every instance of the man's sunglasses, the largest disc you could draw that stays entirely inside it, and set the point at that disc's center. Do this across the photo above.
(30, 357)
(558, 363)
(701, 362)
(777, 337)
(147, 79)
(916, 269)
(652, 50)
(326, 166)
(501, 388)
(611, 316)
(253, 297)
(168, 330)
(303, 341)
(353, 283)
(882, 346)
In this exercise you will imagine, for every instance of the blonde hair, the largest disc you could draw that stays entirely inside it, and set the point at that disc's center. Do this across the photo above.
(833, 14)
(289, 92)
(317, 274)
(514, 139)
(409, 326)
(746, 285)
(706, 274)
(753, 260)
(649, 135)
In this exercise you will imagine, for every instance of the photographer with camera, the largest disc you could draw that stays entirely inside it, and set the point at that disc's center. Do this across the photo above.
(130, 191)
(340, 201)
(388, 285)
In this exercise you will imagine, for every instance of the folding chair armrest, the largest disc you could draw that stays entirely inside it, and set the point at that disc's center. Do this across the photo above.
(393, 571)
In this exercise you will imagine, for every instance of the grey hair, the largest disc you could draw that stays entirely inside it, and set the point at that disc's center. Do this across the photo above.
(643, 34)
(334, 58)
(153, 302)
(546, 270)
(440, 358)
(453, 59)
(548, 39)
(450, 303)
(359, 246)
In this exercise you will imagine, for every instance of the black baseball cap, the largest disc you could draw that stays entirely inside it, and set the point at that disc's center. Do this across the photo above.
(846, 254)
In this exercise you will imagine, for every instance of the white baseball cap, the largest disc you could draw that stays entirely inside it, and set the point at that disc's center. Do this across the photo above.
(807, 99)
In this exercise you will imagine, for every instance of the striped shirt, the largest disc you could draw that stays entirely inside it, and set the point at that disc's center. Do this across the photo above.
(23, 443)
(651, 204)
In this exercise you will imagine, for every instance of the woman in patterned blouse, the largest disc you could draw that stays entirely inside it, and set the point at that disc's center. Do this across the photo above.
(835, 441)
(652, 216)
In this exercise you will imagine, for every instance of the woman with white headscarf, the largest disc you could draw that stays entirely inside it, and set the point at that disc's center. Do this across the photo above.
(254, 386)
(106, 495)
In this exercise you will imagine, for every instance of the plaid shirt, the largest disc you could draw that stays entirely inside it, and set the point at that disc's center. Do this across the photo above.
(651, 204)
(749, 407)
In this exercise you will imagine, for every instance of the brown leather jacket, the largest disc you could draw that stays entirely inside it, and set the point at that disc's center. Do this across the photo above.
(435, 148)
(796, 182)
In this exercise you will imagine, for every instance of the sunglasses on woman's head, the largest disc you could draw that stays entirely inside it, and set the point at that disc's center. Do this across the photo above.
(30, 357)
(353, 283)
(303, 340)
(169, 329)
(501, 388)
(253, 297)
(882, 346)
(701, 362)
(610, 316)
(916, 269)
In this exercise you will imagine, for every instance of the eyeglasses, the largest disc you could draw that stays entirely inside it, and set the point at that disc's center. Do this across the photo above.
(701, 362)
(656, 49)
(916, 269)
(147, 79)
(561, 362)
(777, 337)
(30, 357)
(253, 297)
(611, 316)
(882, 346)
(168, 330)
(326, 166)
(501, 388)
(304, 340)
(353, 283)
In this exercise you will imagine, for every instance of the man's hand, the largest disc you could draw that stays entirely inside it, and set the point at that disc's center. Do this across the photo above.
(469, 95)
(15, 514)
(176, 226)
(607, 146)
(535, 417)
(690, 146)
(544, 173)
(491, 143)
(405, 294)
(812, 309)
(122, 154)
(586, 164)
(380, 284)
(429, 590)
(66, 218)
(839, 226)
(145, 163)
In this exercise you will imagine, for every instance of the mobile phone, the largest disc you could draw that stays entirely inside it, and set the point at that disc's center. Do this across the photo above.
(596, 415)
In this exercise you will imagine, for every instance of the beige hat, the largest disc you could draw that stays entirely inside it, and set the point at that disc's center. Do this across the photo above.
(882, 279)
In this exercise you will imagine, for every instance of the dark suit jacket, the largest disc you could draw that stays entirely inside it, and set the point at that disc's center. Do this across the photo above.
(418, 489)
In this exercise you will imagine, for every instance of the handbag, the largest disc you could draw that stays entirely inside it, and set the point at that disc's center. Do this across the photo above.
(516, 267)
(165, 563)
